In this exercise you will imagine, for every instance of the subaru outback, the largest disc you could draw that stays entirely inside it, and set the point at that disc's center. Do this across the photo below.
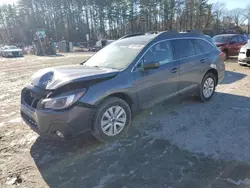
(133, 73)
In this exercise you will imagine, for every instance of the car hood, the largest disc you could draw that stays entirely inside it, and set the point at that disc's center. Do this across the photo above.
(55, 77)
(246, 46)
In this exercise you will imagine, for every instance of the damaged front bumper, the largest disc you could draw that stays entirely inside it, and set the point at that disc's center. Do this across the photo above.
(47, 123)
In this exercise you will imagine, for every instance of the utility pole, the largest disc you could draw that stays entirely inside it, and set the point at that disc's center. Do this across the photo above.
(248, 27)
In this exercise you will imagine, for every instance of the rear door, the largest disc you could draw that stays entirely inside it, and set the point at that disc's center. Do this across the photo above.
(156, 85)
(189, 57)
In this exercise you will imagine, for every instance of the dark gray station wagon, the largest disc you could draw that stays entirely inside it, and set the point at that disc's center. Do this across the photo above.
(132, 73)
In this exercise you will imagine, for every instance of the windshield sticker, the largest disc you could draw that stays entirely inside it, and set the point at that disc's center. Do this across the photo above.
(136, 46)
(133, 46)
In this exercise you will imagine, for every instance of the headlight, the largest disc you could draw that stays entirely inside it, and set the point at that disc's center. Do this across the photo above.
(62, 102)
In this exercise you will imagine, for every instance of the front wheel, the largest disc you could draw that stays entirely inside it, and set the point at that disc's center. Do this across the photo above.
(112, 119)
(207, 87)
(243, 65)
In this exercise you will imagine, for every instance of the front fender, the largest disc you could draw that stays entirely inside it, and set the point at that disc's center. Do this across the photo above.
(122, 83)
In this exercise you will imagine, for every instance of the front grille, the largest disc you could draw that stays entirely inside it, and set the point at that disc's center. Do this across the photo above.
(15, 54)
(29, 121)
(30, 98)
(248, 53)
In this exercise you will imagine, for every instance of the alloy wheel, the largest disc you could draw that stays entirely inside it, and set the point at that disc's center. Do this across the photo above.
(113, 120)
(208, 87)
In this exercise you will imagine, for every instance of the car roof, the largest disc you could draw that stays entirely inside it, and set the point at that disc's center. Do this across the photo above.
(147, 38)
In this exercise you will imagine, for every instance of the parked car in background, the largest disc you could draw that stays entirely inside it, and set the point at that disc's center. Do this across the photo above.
(101, 94)
(11, 51)
(244, 55)
(230, 44)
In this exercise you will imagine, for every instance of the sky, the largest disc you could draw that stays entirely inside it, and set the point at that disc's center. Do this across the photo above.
(7, 1)
(230, 4)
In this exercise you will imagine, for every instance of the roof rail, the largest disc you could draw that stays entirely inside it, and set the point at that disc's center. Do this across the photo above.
(153, 32)
(131, 35)
(191, 31)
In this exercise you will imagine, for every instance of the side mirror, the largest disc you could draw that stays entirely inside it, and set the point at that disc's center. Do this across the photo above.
(151, 66)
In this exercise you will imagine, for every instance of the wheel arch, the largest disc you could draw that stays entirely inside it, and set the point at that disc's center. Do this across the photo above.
(128, 99)
(124, 96)
(214, 72)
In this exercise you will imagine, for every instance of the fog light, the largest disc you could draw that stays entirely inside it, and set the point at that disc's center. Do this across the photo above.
(58, 133)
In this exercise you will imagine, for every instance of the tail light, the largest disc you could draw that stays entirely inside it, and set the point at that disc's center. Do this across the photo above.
(222, 55)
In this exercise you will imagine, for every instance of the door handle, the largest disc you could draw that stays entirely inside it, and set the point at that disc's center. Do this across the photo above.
(202, 60)
(174, 70)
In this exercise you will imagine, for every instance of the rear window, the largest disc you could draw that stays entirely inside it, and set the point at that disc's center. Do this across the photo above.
(184, 48)
(221, 39)
(205, 46)
(242, 39)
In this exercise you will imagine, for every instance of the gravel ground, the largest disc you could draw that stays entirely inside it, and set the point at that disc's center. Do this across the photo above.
(177, 143)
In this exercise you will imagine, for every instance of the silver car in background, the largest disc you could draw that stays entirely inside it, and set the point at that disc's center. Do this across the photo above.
(244, 55)
(11, 51)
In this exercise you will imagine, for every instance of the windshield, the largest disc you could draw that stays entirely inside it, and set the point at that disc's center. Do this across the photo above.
(221, 39)
(119, 54)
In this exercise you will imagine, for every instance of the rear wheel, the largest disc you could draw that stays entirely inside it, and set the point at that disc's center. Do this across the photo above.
(112, 119)
(207, 87)
(225, 54)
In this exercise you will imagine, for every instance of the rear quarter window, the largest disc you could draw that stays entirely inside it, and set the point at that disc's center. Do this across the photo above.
(196, 47)
(204, 45)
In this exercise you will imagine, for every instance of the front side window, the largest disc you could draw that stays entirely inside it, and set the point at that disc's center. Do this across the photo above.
(184, 48)
(159, 53)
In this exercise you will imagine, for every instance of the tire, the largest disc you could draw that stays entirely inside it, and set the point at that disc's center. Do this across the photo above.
(225, 55)
(104, 128)
(242, 65)
(203, 96)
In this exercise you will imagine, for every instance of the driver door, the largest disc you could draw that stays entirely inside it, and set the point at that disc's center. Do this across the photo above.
(156, 85)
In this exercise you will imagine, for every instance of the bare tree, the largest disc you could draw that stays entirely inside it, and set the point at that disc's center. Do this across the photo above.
(237, 16)
(218, 10)
(74, 19)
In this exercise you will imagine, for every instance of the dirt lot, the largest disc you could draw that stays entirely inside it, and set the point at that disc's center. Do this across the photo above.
(181, 143)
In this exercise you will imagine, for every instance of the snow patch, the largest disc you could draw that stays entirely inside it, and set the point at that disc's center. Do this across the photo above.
(26, 140)
(16, 120)
(1, 124)
(104, 180)
(240, 182)
(108, 147)
(3, 96)
(7, 115)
